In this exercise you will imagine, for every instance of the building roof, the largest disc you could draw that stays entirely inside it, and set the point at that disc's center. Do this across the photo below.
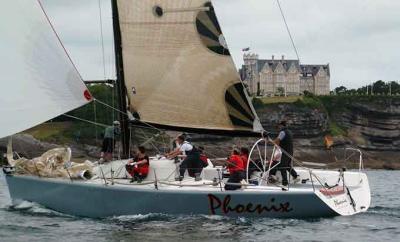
(313, 69)
(274, 63)
(304, 69)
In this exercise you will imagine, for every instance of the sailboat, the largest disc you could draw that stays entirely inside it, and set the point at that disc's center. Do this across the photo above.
(174, 71)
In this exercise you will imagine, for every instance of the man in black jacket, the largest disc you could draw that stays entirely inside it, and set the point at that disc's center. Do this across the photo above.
(285, 141)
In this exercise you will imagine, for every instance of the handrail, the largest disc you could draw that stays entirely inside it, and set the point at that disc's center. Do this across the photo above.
(361, 162)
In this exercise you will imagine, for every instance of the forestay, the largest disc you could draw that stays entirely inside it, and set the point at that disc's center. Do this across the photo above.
(178, 69)
(39, 81)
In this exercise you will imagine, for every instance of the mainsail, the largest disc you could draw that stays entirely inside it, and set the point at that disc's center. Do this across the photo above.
(39, 81)
(178, 70)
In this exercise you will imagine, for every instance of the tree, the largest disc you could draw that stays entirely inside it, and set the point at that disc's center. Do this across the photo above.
(380, 87)
(395, 87)
(340, 90)
(308, 94)
(280, 91)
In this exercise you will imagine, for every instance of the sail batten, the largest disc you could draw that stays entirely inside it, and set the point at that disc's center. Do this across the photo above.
(178, 68)
(40, 81)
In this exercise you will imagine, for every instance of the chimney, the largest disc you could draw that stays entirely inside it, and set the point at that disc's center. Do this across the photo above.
(273, 57)
(283, 57)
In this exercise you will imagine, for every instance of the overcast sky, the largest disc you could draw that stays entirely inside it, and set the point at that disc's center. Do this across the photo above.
(358, 38)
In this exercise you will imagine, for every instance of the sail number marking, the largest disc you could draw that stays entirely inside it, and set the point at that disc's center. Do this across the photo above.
(225, 206)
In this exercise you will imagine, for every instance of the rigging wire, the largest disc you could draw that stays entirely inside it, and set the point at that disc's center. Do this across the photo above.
(149, 126)
(102, 39)
(95, 120)
(126, 114)
(85, 120)
(309, 85)
(288, 29)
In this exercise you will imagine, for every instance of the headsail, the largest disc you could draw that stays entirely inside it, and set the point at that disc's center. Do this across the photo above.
(178, 69)
(39, 81)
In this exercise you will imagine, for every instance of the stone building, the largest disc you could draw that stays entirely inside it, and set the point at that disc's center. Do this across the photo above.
(284, 77)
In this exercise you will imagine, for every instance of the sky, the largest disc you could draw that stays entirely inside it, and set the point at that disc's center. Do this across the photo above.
(358, 38)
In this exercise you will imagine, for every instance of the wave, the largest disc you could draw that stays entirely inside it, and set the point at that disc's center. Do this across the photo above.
(159, 217)
(34, 209)
(140, 218)
(384, 208)
(386, 211)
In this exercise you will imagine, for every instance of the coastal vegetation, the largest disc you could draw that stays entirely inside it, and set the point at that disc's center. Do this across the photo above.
(83, 125)
(378, 88)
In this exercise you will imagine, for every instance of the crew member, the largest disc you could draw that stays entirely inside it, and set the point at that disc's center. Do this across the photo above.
(276, 159)
(203, 156)
(138, 167)
(244, 154)
(191, 155)
(285, 142)
(236, 171)
(111, 134)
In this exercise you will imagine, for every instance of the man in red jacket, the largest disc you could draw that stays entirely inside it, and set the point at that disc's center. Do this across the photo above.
(236, 170)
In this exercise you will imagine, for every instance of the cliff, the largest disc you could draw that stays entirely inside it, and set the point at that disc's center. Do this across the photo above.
(367, 123)
(371, 123)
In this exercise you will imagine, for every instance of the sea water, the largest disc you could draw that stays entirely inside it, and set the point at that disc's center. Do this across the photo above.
(31, 222)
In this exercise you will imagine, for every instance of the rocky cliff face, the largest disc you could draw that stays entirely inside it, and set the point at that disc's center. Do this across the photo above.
(372, 124)
(304, 122)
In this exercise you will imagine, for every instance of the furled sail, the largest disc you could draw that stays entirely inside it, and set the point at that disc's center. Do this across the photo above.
(38, 79)
(178, 70)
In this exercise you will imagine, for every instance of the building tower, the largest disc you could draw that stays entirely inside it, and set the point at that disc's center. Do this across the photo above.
(251, 72)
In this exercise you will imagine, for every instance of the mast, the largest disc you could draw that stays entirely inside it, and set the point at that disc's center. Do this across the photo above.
(120, 83)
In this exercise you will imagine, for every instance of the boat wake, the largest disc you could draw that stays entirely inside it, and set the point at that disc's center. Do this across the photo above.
(141, 218)
(158, 217)
(385, 211)
(34, 209)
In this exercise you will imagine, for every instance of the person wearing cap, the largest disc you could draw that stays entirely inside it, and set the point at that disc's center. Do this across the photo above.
(285, 142)
(111, 134)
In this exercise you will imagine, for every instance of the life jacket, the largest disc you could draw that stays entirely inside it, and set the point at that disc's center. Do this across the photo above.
(142, 169)
(235, 164)
(287, 143)
(245, 159)
(204, 159)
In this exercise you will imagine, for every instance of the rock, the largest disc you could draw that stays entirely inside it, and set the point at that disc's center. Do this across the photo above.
(303, 121)
(372, 125)
(27, 146)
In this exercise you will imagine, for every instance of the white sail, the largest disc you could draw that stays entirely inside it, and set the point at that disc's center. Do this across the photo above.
(39, 81)
(178, 69)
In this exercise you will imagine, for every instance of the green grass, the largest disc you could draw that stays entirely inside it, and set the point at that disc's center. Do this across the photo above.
(336, 130)
(311, 102)
(272, 100)
(52, 132)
